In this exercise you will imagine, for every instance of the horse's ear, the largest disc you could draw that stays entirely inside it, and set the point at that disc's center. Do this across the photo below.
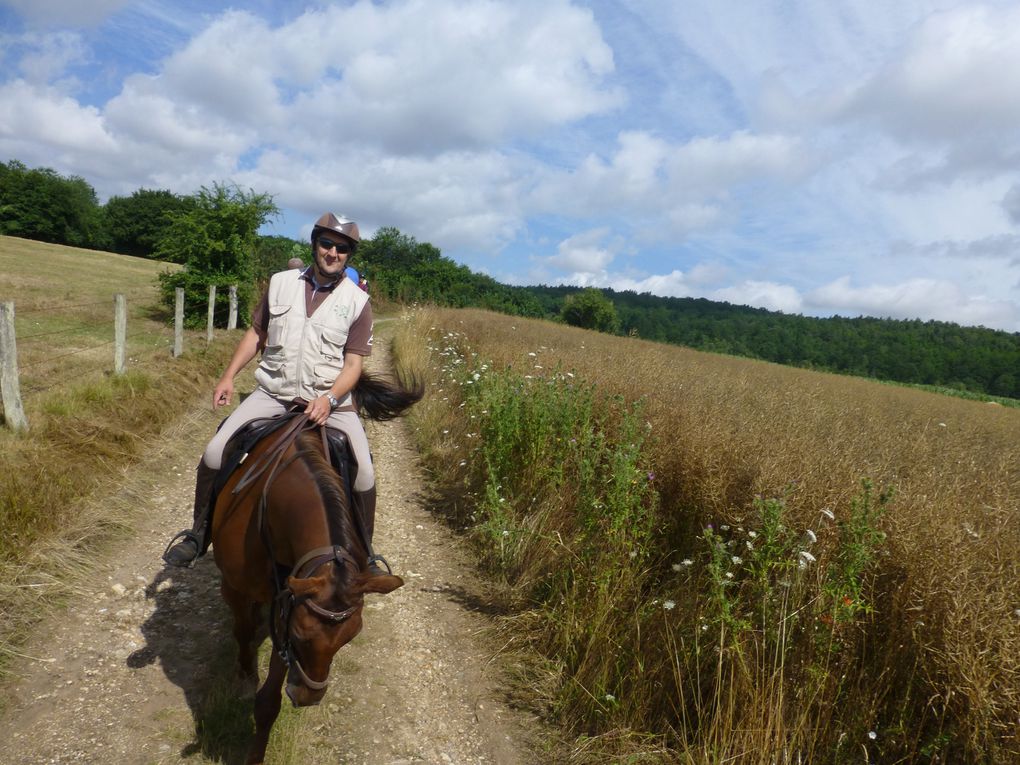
(306, 587)
(378, 584)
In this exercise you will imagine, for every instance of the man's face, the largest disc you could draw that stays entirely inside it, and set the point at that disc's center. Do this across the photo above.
(331, 253)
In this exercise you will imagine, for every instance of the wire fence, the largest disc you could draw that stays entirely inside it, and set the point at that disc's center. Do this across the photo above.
(94, 339)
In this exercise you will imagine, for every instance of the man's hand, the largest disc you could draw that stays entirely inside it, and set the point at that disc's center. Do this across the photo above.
(223, 394)
(318, 410)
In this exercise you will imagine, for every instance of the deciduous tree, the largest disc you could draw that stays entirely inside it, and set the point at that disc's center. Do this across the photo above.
(215, 240)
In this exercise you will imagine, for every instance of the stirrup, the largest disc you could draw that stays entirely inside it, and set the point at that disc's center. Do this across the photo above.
(186, 535)
(374, 569)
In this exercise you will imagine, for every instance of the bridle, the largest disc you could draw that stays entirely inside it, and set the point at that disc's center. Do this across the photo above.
(284, 599)
(284, 602)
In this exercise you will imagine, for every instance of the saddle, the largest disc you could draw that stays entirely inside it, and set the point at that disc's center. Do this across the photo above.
(241, 443)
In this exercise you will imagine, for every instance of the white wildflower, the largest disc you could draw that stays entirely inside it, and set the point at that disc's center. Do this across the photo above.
(677, 567)
(686, 562)
(729, 574)
(805, 558)
(737, 560)
(828, 514)
(809, 537)
(669, 605)
(752, 534)
(872, 735)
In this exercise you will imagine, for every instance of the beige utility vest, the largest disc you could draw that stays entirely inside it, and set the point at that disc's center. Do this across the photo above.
(304, 355)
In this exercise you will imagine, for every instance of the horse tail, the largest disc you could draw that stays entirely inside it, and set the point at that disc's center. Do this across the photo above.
(383, 398)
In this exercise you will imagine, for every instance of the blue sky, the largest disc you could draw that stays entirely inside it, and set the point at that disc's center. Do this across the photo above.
(850, 157)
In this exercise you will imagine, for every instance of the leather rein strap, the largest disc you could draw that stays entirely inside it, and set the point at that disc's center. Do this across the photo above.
(272, 456)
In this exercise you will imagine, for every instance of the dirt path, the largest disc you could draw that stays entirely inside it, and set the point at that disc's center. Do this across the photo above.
(137, 669)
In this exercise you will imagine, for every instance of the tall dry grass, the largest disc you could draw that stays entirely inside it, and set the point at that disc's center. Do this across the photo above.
(897, 639)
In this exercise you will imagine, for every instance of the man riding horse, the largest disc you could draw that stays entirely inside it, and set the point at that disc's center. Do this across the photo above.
(314, 330)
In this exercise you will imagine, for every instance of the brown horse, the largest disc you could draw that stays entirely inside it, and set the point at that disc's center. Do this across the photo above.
(284, 535)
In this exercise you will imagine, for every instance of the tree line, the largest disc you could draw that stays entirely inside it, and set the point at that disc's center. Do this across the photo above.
(213, 233)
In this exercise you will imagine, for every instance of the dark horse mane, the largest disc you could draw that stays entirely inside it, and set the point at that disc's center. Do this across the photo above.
(334, 496)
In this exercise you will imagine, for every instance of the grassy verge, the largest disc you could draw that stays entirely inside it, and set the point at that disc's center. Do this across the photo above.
(81, 439)
(722, 560)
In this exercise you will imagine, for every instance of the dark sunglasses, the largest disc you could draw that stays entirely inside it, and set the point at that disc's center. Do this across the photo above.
(329, 244)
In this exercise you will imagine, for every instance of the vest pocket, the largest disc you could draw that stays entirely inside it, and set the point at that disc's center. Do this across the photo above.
(270, 374)
(325, 376)
(277, 328)
(333, 342)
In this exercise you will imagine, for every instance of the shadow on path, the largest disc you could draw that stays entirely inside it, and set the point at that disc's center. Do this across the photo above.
(189, 636)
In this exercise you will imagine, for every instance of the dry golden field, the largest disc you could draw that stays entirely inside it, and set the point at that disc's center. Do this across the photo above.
(724, 430)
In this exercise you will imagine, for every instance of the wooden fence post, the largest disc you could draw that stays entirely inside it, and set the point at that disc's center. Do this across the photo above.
(119, 332)
(10, 390)
(232, 320)
(212, 312)
(178, 322)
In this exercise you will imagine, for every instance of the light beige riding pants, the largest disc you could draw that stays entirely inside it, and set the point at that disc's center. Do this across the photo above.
(260, 405)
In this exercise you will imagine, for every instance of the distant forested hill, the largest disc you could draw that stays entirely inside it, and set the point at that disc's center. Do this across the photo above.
(923, 352)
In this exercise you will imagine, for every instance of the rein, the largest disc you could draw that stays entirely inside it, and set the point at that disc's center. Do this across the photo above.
(284, 600)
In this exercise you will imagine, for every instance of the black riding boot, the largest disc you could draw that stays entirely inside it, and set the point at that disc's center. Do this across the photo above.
(364, 506)
(185, 548)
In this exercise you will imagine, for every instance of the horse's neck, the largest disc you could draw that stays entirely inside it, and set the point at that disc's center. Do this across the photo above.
(297, 520)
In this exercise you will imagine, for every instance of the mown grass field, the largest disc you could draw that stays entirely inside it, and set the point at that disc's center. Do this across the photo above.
(64, 301)
(85, 423)
(724, 560)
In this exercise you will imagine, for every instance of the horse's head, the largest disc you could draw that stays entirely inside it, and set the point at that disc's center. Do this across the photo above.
(324, 616)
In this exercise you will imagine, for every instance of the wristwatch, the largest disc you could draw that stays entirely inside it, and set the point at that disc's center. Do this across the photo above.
(334, 402)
